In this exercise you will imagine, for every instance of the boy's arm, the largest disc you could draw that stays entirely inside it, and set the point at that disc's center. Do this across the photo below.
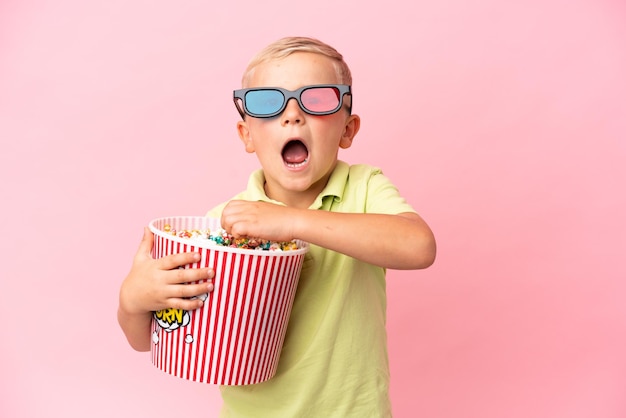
(402, 241)
(136, 328)
(152, 285)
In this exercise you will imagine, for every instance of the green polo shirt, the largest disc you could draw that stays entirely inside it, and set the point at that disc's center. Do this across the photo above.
(334, 358)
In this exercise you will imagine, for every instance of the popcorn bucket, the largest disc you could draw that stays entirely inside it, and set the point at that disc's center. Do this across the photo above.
(237, 335)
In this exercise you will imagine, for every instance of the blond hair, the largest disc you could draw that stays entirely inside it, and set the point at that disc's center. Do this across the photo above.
(284, 47)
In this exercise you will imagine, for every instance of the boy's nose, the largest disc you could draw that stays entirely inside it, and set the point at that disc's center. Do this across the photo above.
(292, 113)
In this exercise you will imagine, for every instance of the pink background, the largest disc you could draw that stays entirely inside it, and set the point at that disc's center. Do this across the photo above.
(504, 123)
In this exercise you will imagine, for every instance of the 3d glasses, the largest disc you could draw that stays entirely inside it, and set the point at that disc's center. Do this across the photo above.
(267, 102)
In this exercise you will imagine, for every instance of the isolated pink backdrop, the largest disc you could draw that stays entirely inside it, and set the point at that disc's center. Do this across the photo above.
(503, 124)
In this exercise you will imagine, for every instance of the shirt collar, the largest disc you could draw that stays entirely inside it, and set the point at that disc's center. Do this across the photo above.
(334, 188)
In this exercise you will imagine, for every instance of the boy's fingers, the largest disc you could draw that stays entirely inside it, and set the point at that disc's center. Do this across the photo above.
(185, 304)
(190, 275)
(183, 294)
(186, 291)
(178, 260)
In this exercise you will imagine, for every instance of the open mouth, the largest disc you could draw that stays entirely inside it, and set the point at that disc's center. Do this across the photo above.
(295, 153)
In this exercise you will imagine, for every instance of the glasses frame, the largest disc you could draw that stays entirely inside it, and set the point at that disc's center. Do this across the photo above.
(288, 95)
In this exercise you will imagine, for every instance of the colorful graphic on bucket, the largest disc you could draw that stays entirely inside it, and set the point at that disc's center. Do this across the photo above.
(236, 337)
(171, 319)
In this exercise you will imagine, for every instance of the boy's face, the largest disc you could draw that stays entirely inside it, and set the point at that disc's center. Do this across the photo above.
(297, 151)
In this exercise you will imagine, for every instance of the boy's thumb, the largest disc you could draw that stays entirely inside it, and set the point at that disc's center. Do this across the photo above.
(147, 240)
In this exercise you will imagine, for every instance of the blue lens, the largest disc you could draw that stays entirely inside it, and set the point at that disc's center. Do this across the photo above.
(264, 102)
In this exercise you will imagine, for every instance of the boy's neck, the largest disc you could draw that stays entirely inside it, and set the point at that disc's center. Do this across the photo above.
(299, 200)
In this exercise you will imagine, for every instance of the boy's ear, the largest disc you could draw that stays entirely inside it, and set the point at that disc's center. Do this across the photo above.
(353, 123)
(244, 135)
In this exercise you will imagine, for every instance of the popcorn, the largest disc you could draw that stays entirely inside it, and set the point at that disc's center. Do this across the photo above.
(220, 237)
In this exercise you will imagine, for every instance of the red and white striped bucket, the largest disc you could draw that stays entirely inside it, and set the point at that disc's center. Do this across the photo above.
(237, 336)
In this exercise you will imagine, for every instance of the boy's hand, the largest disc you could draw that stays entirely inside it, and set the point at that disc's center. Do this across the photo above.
(264, 220)
(152, 285)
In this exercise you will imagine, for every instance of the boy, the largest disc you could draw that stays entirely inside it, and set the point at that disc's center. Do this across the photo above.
(334, 359)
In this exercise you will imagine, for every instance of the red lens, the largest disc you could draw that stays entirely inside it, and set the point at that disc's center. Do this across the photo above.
(320, 99)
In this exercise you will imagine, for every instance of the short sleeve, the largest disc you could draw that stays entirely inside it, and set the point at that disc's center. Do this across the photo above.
(382, 196)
